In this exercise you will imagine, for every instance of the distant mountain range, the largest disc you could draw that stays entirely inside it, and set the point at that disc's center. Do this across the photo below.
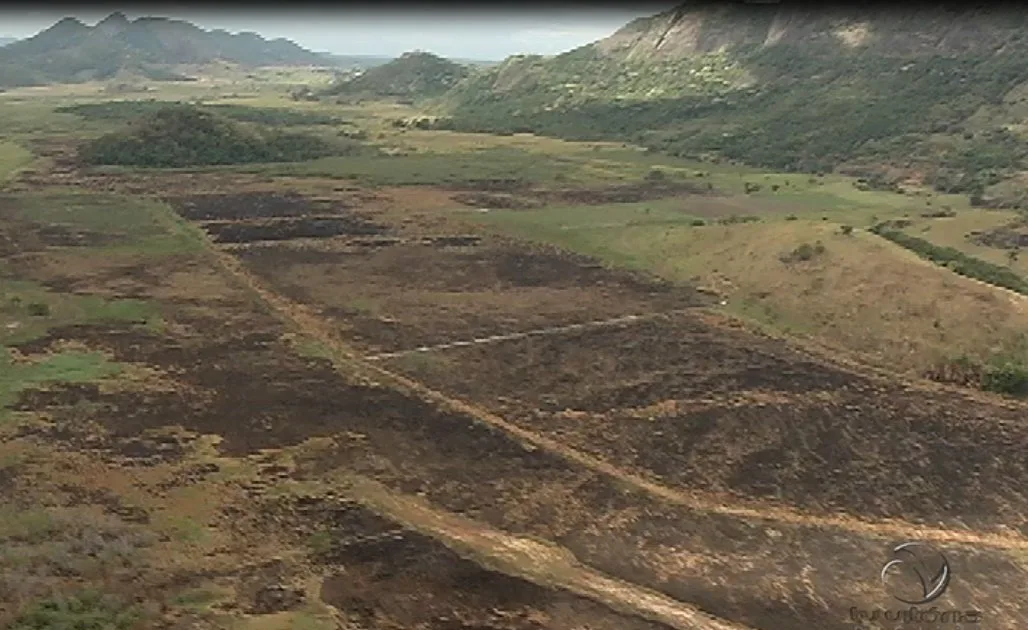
(70, 51)
(7, 40)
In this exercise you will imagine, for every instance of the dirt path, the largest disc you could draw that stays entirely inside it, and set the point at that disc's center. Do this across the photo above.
(538, 562)
(538, 332)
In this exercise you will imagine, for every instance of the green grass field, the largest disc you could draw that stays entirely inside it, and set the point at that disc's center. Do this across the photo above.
(12, 158)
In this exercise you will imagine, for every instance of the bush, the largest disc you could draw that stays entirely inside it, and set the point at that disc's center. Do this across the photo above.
(734, 219)
(804, 252)
(87, 611)
(956, 260)
(791, 217)
(846, 230)
(656, 175)
(1007, 377)
(38, 309)
(698, 223)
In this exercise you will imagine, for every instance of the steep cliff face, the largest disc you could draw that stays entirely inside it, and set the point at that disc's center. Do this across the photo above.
(705, 27)
(691, 29)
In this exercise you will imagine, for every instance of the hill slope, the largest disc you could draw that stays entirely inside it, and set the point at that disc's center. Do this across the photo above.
(7, 40)
(410, 76)
(182, 135)
(70, 51)
(925, 92)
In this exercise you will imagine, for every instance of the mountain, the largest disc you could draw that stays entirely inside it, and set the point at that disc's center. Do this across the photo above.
(935, 93)
(361, 62)
(7, 40)
(70, 51)
(411, 76)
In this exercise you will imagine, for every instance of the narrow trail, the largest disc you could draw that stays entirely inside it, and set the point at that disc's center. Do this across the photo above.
(305, 321)
(538, 332)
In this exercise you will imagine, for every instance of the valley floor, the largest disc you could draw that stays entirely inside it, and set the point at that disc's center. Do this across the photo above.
(290, 400)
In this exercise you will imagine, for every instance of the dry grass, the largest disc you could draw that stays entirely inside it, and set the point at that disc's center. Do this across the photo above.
(864, 294)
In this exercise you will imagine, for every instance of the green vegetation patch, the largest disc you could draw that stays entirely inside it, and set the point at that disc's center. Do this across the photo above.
(28, 311)
(12, 158)
(955, 260)
(67, 367)
(89, 610)
(128, 225)
(499, 168)
(411, 76)
(183, 135)
(121, 111)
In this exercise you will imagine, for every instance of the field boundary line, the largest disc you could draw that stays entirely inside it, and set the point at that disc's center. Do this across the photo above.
(536, 332)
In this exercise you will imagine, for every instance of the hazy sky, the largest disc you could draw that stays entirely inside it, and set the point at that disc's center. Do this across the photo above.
(461, 32)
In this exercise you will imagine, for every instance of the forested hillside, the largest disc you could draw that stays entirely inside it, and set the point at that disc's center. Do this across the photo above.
(412, 75)
(926, 93)
(182, 135)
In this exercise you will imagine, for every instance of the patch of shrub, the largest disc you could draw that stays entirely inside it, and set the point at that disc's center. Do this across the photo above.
(955, 260)
(86, 611)
(656, 175)
(792, 217)
(38, 309)
(1002, 374)
(1006, 377)
(698, 223)
(846, 230)
(183, 135)
(736, 219)
(804, 252)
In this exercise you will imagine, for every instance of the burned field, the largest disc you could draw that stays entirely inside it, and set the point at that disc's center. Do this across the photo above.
(722, 416)
(667, 454)
(705, 408)
(224, 373)
(396, 284)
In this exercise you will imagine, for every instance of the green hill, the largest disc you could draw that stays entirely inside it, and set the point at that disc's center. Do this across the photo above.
(70, 51)
(411, 76)
(182, 135)
(931, 93)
